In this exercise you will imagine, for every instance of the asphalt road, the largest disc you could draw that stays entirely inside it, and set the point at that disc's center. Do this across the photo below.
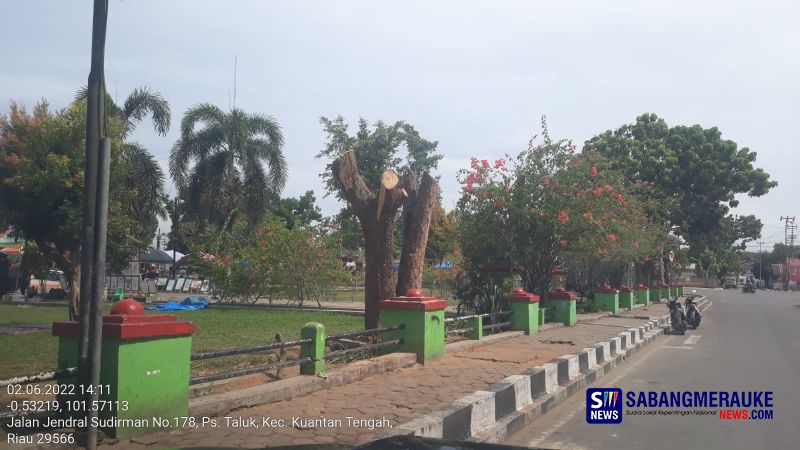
(745, 342)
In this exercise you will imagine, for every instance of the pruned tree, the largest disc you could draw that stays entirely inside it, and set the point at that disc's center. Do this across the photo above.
(366, 172)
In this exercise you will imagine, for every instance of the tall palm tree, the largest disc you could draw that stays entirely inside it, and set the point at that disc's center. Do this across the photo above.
(219, 163)
(138, 105)
(144, 178)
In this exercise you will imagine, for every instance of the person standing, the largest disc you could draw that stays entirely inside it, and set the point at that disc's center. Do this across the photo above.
(5, 272)
(24, 282)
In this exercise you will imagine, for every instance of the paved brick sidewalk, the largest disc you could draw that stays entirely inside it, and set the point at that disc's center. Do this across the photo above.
(398, 396)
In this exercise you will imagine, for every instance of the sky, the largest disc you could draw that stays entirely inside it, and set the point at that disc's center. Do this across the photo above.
(476, 76)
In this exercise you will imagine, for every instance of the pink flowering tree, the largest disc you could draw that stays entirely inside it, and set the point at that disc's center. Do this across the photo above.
(550, 207)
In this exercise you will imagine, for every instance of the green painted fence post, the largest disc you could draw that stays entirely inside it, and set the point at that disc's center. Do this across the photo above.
(680, 290)
(664, 291)
(423, 322)
(626, 299)
(524, 311)
(476, 324)
(145, 362)
(564, 306)
(314, 349)
(655, 293)
(607, 299)
(642, 295)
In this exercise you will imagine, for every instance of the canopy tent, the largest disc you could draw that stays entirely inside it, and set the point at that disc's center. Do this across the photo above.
(178, 255)
(9, 244)
(156, 257)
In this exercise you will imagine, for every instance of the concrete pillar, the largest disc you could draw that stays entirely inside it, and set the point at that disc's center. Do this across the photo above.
(423, 321)
(655, 293)
(663, 291)
(607, 299)
(524, 311)
(314, 350)
(145, 365)
(476, 324)
(642, 295)
(564, 306)
(626, 299)
(673, 290)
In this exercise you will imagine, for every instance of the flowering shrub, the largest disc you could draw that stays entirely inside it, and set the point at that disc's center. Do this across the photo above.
(553, 207)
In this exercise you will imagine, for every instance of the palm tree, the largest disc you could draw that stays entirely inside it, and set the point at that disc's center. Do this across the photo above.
(220, 165)
(138, 105)
(143, 179)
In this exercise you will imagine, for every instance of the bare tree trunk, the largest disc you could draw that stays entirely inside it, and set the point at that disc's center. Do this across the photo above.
(417, 214)
(377, 224)
(378, 284)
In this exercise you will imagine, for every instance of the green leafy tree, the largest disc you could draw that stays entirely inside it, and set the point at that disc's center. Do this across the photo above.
(227, 162)
(300, 211)
(696, 172)
(442, 239)
(42, 162)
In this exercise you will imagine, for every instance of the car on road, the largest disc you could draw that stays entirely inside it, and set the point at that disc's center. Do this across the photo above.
(729, 283)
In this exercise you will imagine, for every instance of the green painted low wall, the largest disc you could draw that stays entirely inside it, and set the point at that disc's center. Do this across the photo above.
(149, 378)
(642, 296)
(608, 301)
(626, 300)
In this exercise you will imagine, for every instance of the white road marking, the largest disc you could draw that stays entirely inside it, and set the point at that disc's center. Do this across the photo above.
(546, 434)
(677, 347)
(692, 340)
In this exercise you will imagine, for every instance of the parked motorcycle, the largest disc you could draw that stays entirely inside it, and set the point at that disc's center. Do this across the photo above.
(693, 315)
(676, 316)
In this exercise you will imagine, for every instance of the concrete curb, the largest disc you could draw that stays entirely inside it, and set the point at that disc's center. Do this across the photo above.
(505, 407)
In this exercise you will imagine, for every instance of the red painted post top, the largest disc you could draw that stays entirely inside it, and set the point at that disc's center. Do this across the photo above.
(414, 301)
(606, 289)
(640, 287)
(128, 322)
(518, 295)
(624, 288)
(562, 294)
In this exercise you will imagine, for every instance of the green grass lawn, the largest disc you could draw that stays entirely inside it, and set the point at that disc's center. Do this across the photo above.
(25, 314)
(217, 328)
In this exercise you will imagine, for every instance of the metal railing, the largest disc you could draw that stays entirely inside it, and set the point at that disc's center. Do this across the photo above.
(366, 349)
(39, 377)
(492, 327)
(30, 379)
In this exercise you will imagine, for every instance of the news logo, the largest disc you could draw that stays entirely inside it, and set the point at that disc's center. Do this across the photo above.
(604, 405)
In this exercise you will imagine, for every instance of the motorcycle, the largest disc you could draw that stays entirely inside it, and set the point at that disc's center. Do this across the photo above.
(693, 315)
(676, 316)
(748, 289)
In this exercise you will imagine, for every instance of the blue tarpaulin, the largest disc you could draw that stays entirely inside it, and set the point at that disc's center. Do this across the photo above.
(188, 304)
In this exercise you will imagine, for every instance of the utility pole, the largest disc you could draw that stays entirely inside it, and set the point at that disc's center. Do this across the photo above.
(94, 229)
(760, 243)
(174, 231)
(788, 225)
